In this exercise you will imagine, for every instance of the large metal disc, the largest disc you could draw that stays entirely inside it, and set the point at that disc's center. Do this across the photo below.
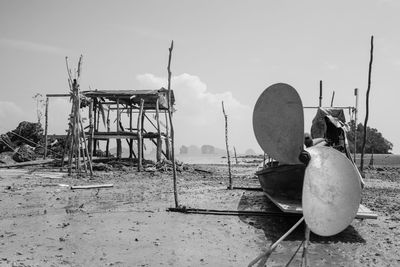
(278, 123)
(331, 191)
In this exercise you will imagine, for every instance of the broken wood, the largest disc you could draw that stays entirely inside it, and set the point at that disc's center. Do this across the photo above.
(96, 186)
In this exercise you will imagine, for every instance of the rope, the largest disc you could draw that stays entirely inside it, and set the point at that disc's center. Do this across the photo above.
(297, 250)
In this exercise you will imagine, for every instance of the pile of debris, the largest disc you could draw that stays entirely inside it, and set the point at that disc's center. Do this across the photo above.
(25, 143)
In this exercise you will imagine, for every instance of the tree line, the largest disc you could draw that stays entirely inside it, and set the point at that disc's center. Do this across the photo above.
(375, 142)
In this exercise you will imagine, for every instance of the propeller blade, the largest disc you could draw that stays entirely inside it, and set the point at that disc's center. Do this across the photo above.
(278, 123)
(331, 191)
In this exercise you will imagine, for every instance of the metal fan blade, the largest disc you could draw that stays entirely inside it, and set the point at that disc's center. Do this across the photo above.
(278, 123)
(331, 191)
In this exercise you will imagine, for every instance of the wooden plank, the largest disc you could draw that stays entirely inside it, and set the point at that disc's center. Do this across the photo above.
(292, 206)
(96, 186)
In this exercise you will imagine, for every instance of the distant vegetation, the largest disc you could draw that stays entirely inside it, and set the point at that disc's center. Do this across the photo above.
(375, 144)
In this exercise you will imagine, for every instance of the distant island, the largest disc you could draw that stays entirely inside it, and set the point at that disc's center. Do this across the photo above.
(194, 150)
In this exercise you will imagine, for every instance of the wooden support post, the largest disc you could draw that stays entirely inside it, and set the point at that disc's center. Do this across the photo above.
(367, 104)
(108, 130)
(333, 98)
(320, 93)
(46, 127)
(159, 144)
(355, 124)
(167, 143)
(96, 118)
(140, 138)
(227, 146)
(119, 148)
(234, 150)
(130, 130)
(91, 131)
(143, 130)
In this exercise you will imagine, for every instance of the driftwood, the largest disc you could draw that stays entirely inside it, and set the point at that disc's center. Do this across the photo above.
(367, 104)
(227, 145)
(96, 186)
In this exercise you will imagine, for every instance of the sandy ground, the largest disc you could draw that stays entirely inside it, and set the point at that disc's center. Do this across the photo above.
(45, 224)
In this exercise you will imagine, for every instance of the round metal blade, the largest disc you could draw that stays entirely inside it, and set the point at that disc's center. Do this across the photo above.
(278, 123)
(331, 191)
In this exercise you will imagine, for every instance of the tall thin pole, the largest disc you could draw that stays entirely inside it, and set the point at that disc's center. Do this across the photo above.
(367, 103)
(46, 126)
(227, 146)
(355, 124)
(333, 98)
(171, 124)
(320, 93)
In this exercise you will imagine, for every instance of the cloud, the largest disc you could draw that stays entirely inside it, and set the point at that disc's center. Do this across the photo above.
(31, 46)
(199, 119)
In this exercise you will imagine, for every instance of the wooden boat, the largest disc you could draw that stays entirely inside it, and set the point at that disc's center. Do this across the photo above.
(279, 129)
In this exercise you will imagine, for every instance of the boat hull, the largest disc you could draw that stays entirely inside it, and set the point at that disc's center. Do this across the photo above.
(283, 181)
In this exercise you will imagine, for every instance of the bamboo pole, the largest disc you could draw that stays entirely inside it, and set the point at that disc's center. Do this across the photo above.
(320, 93)
(172, 126)
(234, 150)
(367, 104)
(119, 148)
(159, 144)
(46, 127)
(140, 138)
(130, 130)
(266, 254)
(227, 146)
(86, 147)
(333, 98)
(108, 130)
(167, 144)
(355, 124)
(91, 131)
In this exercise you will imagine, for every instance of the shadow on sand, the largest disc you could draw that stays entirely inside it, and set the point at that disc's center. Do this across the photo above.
(276, 226)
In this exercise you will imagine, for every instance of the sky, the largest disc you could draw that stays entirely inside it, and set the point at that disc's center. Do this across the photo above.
(223, 51)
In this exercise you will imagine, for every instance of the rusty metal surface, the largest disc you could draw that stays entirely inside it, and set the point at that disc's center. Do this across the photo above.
(278, 123)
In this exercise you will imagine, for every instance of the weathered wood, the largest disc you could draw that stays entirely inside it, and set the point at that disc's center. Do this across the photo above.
(367, 105)
(333, 98)
(172, 127)
(140, 139)
(320, 93)
(227, 146)
(159, 141)
(91, 130)
(130, 130)
(108, 130)
(234, 151)
(167, 143)
(119, 147)
(46, 126)
(97, 186)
